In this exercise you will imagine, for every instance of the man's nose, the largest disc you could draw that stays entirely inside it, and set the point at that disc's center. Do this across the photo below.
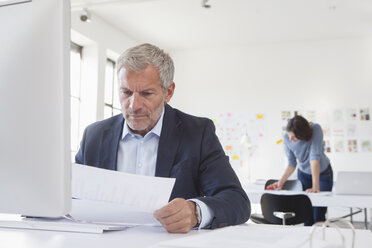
(135, 102)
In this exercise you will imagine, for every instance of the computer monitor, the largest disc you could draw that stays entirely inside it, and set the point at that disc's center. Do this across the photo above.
(35, 160)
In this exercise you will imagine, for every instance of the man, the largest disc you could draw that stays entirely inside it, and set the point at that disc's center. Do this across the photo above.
(152, 138)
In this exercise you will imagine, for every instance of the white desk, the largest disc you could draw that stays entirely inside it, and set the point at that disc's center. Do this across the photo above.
(131, 237)
(243, 235)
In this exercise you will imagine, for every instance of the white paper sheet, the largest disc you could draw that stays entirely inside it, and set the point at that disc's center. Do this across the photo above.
(110, 213)
(133, 192)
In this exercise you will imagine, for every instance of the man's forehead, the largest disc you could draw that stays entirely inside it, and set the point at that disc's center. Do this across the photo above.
(147, 78)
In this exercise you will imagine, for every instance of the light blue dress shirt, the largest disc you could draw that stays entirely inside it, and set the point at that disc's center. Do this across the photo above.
(137, 155)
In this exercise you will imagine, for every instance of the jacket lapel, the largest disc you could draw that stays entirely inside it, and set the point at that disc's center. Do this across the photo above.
(168, 143)
(111, 139)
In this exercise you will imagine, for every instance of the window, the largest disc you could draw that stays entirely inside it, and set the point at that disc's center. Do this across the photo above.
(75, 84)
(112, 104)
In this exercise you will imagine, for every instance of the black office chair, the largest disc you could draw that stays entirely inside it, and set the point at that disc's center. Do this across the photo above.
(293, 185)
(286, 209)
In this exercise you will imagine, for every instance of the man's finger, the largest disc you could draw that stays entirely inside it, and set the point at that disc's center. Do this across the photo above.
(184, 225)
(170, 209)
(179, 216)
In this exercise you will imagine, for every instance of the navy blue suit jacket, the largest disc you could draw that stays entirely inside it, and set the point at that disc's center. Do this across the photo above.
(189, 151)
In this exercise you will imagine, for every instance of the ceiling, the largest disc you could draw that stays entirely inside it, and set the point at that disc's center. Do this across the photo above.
(185, 24)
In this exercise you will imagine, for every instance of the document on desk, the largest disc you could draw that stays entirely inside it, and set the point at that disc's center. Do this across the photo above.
(112, 196)
(99, 212)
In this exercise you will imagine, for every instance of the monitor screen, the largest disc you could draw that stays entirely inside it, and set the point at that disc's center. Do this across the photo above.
(35, 160)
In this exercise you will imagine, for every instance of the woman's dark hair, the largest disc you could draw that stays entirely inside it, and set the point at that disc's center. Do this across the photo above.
(300, 127)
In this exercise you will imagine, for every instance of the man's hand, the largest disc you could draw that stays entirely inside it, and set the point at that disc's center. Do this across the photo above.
(178, 216)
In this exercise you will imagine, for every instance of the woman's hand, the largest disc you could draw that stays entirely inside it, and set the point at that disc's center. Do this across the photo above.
(275, 186)
(312, 190)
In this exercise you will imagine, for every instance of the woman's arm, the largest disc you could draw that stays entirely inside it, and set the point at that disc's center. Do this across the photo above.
(316, 150)
(314, 164)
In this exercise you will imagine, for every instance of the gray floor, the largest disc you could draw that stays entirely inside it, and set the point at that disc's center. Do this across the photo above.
(358, 225)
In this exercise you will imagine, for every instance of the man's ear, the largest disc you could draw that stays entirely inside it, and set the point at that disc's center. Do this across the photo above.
(169, 92)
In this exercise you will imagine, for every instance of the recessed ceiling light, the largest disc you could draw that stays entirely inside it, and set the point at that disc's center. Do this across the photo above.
(205, 4)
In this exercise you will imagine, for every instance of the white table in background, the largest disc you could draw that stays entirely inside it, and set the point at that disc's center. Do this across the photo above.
(322, 199)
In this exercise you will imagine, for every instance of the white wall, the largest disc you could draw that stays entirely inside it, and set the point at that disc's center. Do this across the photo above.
(267, 78)
(314, 75)
(99, 41)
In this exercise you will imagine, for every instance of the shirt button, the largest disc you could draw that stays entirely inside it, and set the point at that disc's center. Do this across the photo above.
(139, 165)
(141, 141)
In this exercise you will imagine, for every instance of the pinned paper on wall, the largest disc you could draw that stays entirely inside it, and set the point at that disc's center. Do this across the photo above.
(366, 146)
(364, 114)
(339, 146)
(231, 127)
(310, 115)
(286, 115)
(351, 129)
(352, 146)
(338, 132)
(228, 148)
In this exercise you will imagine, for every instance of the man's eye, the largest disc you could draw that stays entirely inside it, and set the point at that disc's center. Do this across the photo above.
(146, 93)
(126, 92)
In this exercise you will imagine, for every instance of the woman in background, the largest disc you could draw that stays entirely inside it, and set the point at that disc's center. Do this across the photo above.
(304, 147)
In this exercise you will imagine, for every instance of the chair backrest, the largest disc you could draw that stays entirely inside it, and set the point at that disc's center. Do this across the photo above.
(298, 204)
(294, 185)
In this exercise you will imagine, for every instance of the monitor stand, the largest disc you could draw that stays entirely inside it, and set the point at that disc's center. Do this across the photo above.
(63, 224)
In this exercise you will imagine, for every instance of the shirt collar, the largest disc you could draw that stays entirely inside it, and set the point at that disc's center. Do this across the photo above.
(155, 130)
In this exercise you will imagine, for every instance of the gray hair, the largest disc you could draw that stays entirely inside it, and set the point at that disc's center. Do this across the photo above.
(139, 57)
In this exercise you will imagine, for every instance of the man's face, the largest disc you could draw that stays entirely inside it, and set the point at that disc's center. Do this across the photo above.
(142, 98)
(292, 137)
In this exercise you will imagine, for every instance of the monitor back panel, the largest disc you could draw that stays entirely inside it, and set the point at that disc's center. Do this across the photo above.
(34, 106)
